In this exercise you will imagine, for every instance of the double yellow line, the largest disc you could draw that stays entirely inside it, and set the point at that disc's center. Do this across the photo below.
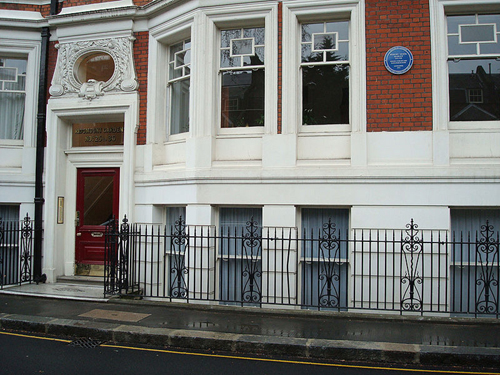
(259, 359)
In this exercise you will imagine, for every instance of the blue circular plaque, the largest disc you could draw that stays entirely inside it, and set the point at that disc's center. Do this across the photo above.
(398, 60)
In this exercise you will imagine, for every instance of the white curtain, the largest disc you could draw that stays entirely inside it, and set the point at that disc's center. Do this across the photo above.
(9, 213)
(235, 266)
(179, 106)
(319, 263)
(11, 115)
(474, 266)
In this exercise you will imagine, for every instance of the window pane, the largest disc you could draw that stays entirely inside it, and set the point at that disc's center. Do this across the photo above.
(306, 52)
(19, 85)
(8, 74)
(226, 61)
(474, 270)
(490, 48)
(180, 58)
(490, 18)
(239, 217)
(343, 52)
(324, 274)
(309, 29)
(256, 33)
(98, 200)
(11, 115)
(325, 42)
(174, 73)
(340, 27)
(241, 268)
(9, 213)
(455, 48)
(174, 49)
(325, 98)
(179, 107)
(242, 98)
(454, 21)
(173, 216)
(242, 47)
(227, 35)
(477, 33)
(99, 66)
(256, 60)
(475, 75)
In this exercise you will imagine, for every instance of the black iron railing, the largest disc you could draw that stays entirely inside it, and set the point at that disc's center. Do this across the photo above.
(409, 271)
(16, 251)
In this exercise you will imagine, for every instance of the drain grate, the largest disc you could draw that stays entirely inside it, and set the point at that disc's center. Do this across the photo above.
(86, 343)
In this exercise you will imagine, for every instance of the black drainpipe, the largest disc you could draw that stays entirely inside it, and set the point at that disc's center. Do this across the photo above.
(40, 148)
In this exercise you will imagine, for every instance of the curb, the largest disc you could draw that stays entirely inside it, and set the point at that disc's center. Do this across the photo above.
(255, 344)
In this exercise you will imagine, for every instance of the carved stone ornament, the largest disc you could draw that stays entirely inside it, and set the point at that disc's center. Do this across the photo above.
(123, 79)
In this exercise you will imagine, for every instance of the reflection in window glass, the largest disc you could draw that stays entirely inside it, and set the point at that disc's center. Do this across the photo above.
(473, 67)
(98, 65)
(474, 90)
(98, 200)
(243, 98)
(179, 86)
(242, 89)
(325, 73)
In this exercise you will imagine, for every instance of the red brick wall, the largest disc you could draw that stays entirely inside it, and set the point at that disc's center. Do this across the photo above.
(141, 2)
(398, 102)
(43, 9)
(141, 66)
(51, 65)
(71, 3)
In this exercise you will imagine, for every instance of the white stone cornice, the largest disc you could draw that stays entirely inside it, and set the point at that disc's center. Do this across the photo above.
(21, 19)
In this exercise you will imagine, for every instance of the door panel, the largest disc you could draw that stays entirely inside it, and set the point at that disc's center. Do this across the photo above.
(96, 203)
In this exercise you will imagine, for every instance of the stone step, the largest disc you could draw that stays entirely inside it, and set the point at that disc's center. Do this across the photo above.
(83, 280)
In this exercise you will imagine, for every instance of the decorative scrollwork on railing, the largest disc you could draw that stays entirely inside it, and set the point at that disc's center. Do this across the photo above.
(111, 285)
(251, 270)
(329, 248)
(124, 229)
(123, 260)
(411, 253)
(26, 249)
(178, 246)
(487, 250)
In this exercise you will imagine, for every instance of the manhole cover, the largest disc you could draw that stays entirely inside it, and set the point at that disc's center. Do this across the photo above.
(87, 343)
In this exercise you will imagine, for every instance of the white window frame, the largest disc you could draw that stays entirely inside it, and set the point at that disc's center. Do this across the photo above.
(240, 17)
(170, 82)
(296, 14)
(323, 63)
(31, 51)
(161, 38)
(242, 67)
(439, 10)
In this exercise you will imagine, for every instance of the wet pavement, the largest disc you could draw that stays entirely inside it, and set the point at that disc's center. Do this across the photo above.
(410, 334)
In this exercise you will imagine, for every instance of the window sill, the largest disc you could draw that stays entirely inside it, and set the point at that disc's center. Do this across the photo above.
(474, 125)
(177, 138)
(322, 129)
(241, 132)
(13, 143)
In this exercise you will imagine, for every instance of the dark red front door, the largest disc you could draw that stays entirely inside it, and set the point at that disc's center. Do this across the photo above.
(97, 194)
